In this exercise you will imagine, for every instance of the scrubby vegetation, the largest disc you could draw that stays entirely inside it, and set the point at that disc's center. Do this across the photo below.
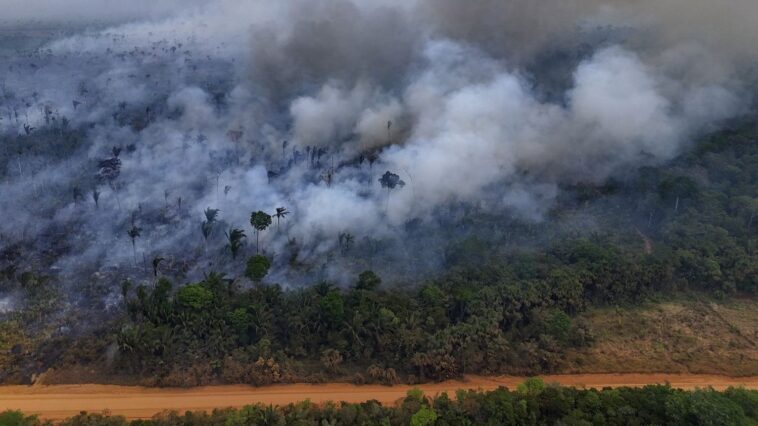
(694, 334)
(532, 403)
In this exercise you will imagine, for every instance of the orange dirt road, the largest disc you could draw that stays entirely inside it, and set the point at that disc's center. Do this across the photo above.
(56, 402)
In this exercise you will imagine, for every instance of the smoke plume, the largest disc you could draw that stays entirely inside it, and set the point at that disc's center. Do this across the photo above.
(244, 106)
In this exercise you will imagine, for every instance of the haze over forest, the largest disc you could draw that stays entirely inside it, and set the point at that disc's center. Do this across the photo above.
(123, 116)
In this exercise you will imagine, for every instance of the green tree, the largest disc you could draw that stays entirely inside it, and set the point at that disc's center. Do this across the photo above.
(259, 221)
(332, 308)
(704, 407)
(424, 416)
(532, 386)
(257, 267)
(17, 418)
(195, 296)
(368, 280)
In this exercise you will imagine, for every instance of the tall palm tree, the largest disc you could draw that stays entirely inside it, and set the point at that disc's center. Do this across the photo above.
(96, 197)
(125, 287)
(156, 263)
(218, 176)
(346, 241)
(235, 238)
(77, 193)
(166, 193)
(109, 170)
(207, 226)
(134, 233)
(259, 221)
(281, 212)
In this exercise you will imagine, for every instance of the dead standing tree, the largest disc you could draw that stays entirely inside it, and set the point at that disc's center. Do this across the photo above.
(109, 170)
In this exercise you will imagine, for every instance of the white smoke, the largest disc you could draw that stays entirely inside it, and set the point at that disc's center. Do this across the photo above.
(451, 96)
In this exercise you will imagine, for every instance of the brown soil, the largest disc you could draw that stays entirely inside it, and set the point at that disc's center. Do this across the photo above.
(695, 337)
(56, 402)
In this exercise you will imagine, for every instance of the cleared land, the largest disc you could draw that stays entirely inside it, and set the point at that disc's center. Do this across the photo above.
(688, 336)
(61, 401)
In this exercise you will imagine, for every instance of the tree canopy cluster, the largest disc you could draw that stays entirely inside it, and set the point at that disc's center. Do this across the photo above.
(532, 403)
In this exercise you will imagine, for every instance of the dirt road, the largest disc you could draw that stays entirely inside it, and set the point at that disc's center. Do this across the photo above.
(61, 401)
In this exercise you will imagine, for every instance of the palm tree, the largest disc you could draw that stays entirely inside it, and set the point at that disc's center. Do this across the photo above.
(346, 241)
(207, 226)
(125, 287)
(156, 263)
(218, 176)
(109, 170)
(96, 197)
(235, 237)
(281, 212)
(134, 233)
(18, 163)
(77, 193)
(259, 221)
(210, 216)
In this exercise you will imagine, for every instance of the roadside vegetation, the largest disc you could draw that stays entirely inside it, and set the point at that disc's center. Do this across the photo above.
(532, 403)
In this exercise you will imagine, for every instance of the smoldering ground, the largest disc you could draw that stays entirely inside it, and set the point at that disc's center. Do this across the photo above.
(242, 106)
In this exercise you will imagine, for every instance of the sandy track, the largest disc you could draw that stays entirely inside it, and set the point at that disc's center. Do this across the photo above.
(61, 401)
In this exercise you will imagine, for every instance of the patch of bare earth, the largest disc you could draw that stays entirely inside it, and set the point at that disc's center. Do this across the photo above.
(699, 337)
(62, 401)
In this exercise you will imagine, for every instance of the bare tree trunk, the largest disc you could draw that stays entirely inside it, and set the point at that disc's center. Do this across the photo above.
(115, 192)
